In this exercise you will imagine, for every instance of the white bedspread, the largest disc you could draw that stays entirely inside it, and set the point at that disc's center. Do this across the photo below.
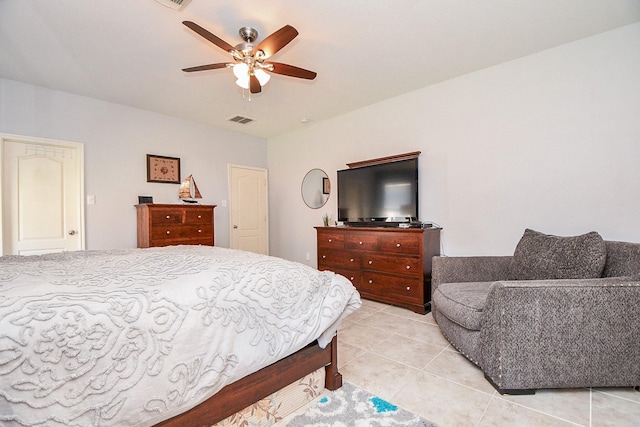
(132, 337)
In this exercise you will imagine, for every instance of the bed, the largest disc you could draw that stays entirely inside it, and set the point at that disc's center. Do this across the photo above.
(180, 335)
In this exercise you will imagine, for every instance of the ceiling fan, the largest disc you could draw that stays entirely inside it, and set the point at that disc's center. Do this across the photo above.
(250, 66)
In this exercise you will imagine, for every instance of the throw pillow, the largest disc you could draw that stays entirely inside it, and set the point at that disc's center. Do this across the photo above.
(540, 256)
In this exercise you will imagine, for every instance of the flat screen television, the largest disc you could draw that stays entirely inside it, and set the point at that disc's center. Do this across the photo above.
(384, 194)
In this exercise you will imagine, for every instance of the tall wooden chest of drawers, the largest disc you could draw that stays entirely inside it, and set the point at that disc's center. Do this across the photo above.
(164, 225)
(384, 264)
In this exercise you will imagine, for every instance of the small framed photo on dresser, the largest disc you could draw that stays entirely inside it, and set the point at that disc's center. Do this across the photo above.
(163, 169)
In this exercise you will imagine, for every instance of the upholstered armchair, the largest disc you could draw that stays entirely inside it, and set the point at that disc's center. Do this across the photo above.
(562, 312)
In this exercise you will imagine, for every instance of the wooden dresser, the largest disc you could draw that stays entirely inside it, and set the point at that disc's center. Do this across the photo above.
(164, 225)
(386, 265)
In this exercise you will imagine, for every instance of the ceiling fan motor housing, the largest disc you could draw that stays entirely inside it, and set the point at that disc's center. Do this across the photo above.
(248, 34)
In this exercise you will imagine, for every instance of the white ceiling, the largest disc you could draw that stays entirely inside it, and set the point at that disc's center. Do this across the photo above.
(364, 51)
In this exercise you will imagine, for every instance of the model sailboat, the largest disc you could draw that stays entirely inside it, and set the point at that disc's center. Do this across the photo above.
(189, 190)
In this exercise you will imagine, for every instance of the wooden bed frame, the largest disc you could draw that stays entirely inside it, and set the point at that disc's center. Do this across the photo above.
(252, 388)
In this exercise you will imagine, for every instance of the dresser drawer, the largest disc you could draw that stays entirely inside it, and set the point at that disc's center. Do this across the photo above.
(400, 243)
(392, 264)
(363, 241)
(399, 288)
(187, 241)
(199, 216)
(340, 258)
(329, 239)
(166, 216)
(181, 232)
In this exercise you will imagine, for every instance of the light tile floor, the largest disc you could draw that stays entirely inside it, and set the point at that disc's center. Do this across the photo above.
(403, 358)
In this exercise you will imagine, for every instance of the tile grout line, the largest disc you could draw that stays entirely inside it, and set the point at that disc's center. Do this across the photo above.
(597, 391)
(486, 408)
(539, 411)
(590, 407)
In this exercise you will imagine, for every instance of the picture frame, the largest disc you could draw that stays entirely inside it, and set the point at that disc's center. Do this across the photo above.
(163, 169)
(326, 186)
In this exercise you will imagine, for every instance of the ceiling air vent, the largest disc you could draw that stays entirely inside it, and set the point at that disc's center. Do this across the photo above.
(174, 4)
(241, 119)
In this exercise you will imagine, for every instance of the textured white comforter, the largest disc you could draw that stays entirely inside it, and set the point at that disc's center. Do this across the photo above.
(132, 337)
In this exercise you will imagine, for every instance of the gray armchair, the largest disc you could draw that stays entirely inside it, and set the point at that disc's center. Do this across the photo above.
(558, 332)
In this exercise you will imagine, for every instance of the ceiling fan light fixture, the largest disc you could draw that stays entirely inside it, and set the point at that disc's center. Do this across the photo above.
(241, 70)
(262, 76)
(243, 82)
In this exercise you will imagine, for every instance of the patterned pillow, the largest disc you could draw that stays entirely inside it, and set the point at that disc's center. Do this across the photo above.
(541, 256)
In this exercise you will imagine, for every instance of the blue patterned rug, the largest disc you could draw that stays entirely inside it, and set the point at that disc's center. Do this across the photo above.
(352, 406)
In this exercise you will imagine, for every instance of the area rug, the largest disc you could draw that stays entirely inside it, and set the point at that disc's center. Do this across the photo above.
(354, 407)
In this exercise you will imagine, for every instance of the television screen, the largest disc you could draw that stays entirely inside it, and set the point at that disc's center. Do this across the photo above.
(383, 193)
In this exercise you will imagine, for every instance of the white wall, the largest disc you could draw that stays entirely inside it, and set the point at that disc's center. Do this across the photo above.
(117, 139)
(550, 141)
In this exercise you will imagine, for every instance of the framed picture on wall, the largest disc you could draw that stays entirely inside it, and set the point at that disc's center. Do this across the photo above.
(163, 169)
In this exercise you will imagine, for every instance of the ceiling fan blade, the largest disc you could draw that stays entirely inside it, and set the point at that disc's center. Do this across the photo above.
(254, 84)
(210, 36)
(205, 67)
(277, 40)
(292, 71)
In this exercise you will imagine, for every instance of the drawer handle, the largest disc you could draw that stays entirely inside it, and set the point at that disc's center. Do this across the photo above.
(370, 281)
(370, 262)
(324, 256)
(408, 267)
(199, 216)
(359, 243)
(397, 245)
(199, 231)
(408, 288)
(330, 240)
(168, 232)
(351, 260)
(168, 216)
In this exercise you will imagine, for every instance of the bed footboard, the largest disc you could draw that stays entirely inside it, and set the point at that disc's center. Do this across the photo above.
(240, 394)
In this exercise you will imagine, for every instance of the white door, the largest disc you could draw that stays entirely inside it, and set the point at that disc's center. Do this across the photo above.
(42, 192)
(248, 209)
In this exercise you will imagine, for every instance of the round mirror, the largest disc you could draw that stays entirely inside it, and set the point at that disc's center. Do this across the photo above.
(316, 188)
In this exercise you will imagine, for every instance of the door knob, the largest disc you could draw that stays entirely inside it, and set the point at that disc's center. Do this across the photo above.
(235, 226)
(72, 232)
